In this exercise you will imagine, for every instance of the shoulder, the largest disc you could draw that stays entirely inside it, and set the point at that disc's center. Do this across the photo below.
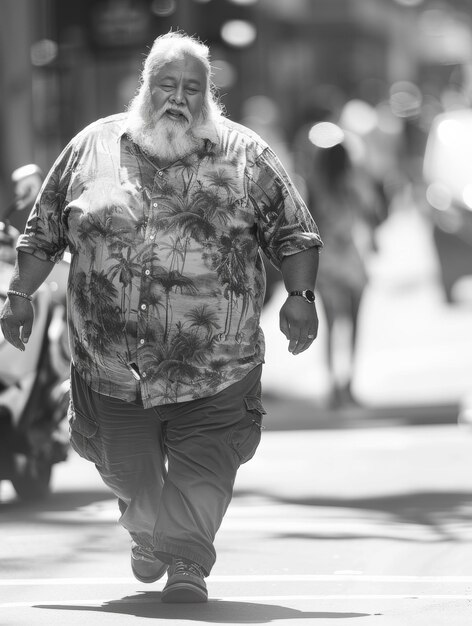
(232, 133)
(111, 127)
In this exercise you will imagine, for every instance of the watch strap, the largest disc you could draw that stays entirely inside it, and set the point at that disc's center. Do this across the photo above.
(303, 294)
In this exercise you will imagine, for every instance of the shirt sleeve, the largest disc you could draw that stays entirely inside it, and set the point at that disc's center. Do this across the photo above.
(284, 223)
(45, 234)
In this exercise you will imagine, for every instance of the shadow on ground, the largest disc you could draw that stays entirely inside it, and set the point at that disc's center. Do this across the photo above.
(446, 514)
(147, 604)
(289, 413)
(55, 502)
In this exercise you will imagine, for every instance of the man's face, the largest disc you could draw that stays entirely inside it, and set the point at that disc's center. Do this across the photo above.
(178, 90)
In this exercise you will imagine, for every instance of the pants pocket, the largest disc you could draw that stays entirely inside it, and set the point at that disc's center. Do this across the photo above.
(84, 437)
(246, 436)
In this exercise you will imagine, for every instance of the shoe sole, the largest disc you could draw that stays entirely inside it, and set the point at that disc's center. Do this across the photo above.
(148, 579)
(184, 593)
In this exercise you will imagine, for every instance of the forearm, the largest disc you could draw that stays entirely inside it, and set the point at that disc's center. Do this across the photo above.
(29, 273)
(299, 270)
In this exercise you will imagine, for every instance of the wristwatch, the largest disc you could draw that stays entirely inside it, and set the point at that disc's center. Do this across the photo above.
(307, 294)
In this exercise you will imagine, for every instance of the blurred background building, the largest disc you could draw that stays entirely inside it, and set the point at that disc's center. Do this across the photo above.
(399, 63)
(382, 71)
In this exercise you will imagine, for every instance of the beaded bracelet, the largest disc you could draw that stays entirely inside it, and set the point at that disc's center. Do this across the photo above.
(22, 294)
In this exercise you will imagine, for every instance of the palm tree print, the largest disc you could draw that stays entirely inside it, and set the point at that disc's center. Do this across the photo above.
(229, 260)
(203, 317)
(165, 268)
(173, 280)
(126, 269)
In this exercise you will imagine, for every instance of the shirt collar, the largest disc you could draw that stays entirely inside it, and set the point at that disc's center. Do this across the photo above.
(208, 131)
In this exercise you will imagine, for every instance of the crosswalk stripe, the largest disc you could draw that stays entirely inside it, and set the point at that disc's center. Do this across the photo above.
(247, 578)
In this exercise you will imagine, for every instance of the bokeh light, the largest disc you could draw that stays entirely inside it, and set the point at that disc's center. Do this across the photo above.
(163, 8)
(450, 132)
(43, 52)
(358, 117)
(405, 99)
(238, 33)
(325, 135)
(439, 196)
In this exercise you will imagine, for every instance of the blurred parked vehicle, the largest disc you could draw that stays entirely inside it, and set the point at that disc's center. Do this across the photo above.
(448, 175)
(34, 391)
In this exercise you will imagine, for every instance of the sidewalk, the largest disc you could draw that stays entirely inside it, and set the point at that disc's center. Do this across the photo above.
(415, 350)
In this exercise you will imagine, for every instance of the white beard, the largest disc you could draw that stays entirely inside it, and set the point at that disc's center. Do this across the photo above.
(160, 137)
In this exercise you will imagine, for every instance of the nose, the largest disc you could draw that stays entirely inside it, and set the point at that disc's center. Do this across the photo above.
(178, 94)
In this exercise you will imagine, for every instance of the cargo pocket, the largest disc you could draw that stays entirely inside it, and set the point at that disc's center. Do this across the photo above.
(84, 436)
(246, 436)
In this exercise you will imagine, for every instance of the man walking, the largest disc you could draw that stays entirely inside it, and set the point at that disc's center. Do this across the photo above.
(165, 209)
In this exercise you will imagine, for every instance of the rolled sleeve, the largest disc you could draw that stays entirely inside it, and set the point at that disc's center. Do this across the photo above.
(284, 223)
(45, 234)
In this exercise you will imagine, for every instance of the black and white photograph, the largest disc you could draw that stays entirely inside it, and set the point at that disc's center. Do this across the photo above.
(236, 312)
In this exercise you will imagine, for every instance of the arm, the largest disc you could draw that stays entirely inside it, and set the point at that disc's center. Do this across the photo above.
(298, 318)
(30, 272)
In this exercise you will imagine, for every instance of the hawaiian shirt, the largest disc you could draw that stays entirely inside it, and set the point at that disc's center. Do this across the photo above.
(166, 282)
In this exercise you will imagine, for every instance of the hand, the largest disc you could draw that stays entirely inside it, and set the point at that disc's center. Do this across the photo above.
(299, 323)
(16, 321)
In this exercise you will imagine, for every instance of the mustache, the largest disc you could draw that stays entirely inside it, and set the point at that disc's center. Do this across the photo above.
(175, 110)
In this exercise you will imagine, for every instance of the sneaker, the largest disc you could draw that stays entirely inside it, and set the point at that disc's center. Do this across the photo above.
(185, 583)
(145, 566)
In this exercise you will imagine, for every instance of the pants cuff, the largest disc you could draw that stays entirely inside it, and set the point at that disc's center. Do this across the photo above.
(166, 551)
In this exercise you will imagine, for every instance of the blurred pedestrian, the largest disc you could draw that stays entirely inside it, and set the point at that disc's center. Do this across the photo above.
(346, 206)
(164, 209)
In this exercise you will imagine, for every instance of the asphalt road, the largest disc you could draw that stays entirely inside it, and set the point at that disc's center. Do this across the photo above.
(360, 526)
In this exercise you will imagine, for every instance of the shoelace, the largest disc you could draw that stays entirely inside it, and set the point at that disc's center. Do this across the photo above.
(142, 553)
(184, 567)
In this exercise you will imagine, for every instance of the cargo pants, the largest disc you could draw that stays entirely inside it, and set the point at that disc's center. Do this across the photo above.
(172, 467)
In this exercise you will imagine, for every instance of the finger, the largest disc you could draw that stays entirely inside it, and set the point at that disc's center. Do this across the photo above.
(294, 339)
(26, 330)
(12, 335)
(304, 342)
(301, 347)
(25, 333)
(284, 327)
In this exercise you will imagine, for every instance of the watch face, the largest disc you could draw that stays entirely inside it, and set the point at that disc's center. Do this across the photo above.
(309, 295)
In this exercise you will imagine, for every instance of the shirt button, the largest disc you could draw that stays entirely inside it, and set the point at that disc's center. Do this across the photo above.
(143, 307)
(147, 272)
(154, 204)
(143, 375)
(141, 341)
(160, 173)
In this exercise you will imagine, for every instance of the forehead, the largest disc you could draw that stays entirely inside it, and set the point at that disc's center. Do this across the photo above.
(189, 68)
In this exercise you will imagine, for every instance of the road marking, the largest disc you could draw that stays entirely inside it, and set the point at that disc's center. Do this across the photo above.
(99, 602)
(248, 578)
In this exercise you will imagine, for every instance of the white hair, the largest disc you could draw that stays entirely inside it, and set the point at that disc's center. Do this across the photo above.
(177, 45)
(160, 137)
